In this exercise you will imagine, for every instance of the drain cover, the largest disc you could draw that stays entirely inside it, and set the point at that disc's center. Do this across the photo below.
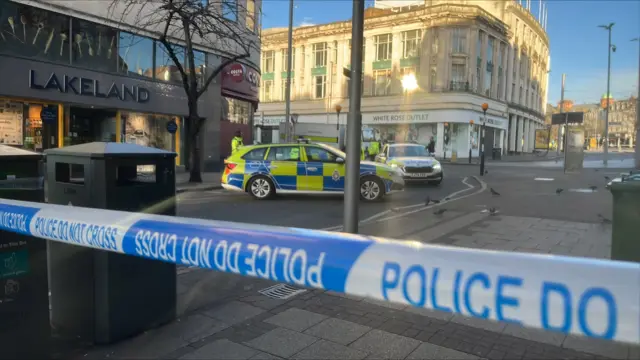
(281, 291)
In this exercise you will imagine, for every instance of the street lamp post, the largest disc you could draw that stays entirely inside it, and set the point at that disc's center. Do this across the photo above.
(470, 138)
(287, 90)
(485, 107)
(606, 116)
(637, 153)
(338, 109)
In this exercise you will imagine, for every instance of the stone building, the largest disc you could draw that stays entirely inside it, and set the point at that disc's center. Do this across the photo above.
(428, 67)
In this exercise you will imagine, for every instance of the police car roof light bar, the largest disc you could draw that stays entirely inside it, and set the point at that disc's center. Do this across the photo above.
(588, 297)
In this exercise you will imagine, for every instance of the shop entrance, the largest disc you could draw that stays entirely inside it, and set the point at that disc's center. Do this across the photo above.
(84, 125)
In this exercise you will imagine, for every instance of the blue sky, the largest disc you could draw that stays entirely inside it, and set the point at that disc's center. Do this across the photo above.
(578, 46)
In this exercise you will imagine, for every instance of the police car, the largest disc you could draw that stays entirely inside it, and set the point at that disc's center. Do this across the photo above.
(303, 168)
(413, 161)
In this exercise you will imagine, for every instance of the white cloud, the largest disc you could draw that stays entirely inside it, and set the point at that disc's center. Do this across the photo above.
(589, 88)
(306, 21)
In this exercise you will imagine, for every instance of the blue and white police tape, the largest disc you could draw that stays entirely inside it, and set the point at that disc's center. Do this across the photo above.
(593, 298)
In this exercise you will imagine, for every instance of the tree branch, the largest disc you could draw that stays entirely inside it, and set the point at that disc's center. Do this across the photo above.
(219, 69)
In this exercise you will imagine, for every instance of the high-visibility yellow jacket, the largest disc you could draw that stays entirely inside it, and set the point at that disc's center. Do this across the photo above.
(236, 142)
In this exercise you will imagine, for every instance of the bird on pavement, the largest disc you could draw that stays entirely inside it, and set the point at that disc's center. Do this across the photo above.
(493, 192)
(439, 211)
(559, 190)
(607, 178)
(427, 201)
(446, 199)
(493, 211)
(486, 172)
(604, 219)
(593, 187)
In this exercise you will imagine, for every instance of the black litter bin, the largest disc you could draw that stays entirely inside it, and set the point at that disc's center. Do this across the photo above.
(101, 296)
(496, 153)
(25, 332)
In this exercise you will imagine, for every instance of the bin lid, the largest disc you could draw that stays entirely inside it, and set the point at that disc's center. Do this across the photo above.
(14, 153)
(110, 149)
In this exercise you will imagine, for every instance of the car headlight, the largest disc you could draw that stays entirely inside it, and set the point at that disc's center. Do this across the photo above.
(393, 165)
(437, 166)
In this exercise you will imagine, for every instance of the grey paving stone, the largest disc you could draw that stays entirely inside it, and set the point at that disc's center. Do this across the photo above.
(547, 337)
(264, 356)
(597, 347)
(434, 314)
(339, 331)
(296, 319)
(428, 351)
(384, 345)
(324, 349)
(195, 327)
(234, 312)
(282, 342)
(479, 323)
(222, 349)
(386, 304)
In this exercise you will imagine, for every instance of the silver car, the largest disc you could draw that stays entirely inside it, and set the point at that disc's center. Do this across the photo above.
(413, 161)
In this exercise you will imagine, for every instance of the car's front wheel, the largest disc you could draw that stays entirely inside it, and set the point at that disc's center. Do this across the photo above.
(261, 188)
(371, 189)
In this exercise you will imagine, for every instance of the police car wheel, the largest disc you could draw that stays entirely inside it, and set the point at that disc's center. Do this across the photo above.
(371, 189)
(261, 188)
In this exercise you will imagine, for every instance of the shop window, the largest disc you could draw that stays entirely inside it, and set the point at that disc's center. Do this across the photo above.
(166, 69)
(93, 46)
(11, 119)
(135, 55)
(236, 111)
(85, 125)
(148, 130)
(34, 33)
(33, 127)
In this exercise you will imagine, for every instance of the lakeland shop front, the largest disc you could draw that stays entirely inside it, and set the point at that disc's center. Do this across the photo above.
(45, 105)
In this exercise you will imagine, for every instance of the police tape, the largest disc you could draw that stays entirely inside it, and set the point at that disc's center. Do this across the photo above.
(588, 297)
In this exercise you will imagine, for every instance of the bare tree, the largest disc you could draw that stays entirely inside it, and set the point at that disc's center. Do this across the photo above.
(180, 24)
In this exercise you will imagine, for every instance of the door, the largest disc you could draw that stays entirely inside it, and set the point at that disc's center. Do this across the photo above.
(285, 167)
(324, 173)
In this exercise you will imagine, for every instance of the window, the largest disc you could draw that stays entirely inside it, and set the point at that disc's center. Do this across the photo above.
(267, 90)
(250, 21)
(319, 86)
(236, 111)
(458, 77)
(382, 80)
(384, 47)
(488, 78)
(435, 40)
(88, 47)
(255, 154)
(320, 155)
(135, 55)
(268, 61)
(166, 69)
(459, 39)
(284, 153)
(230, 10)
(433, 77)
(285, 53)
(200, 62)
(478, 84)
(501, 53)
(319, 55)
(147, 130)
(283, 89)
(411, 43)
(34, 33)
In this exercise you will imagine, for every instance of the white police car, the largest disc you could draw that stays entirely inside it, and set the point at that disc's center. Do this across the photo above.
(413, 161)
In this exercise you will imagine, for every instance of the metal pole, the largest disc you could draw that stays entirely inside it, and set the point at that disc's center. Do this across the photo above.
(354, 124)
(606, 114)
(287, 93)
(561, 111)
(482, 144)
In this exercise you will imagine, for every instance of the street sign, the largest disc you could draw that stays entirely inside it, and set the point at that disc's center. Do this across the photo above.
(172, 127)
(572, 118)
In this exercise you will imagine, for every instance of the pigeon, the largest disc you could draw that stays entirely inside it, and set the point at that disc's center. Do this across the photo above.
(446, 199)
(607, 178)
(604, 219)
(493, 192)
(427, 201)
(559, 190)
(593, 187)
(435, 201)
(486, 172)
(439, 211)
(493, 211)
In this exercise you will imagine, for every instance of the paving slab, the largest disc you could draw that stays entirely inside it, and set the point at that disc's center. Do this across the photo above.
(282, 342)
(222, 349)
(328, 350)
(428, 351)
(385, 345)
(339, 331)
(296, 319)
(234, 312)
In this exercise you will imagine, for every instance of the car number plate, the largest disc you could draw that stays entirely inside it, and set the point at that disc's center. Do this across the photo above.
(418, 175)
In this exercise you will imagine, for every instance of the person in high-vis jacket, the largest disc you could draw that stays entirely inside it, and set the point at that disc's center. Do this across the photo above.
(236, 142)
(374, 149)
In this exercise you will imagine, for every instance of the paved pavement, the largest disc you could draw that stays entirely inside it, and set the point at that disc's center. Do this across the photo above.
(226, 317)
(210, 181)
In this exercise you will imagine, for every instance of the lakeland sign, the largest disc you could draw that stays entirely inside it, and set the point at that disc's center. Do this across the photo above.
(89, 87)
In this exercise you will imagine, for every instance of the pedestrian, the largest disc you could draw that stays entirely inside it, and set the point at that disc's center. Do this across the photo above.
(431, 147)
(236, 142)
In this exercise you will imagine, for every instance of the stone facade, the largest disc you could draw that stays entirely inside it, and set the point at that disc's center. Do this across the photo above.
(461, 53)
